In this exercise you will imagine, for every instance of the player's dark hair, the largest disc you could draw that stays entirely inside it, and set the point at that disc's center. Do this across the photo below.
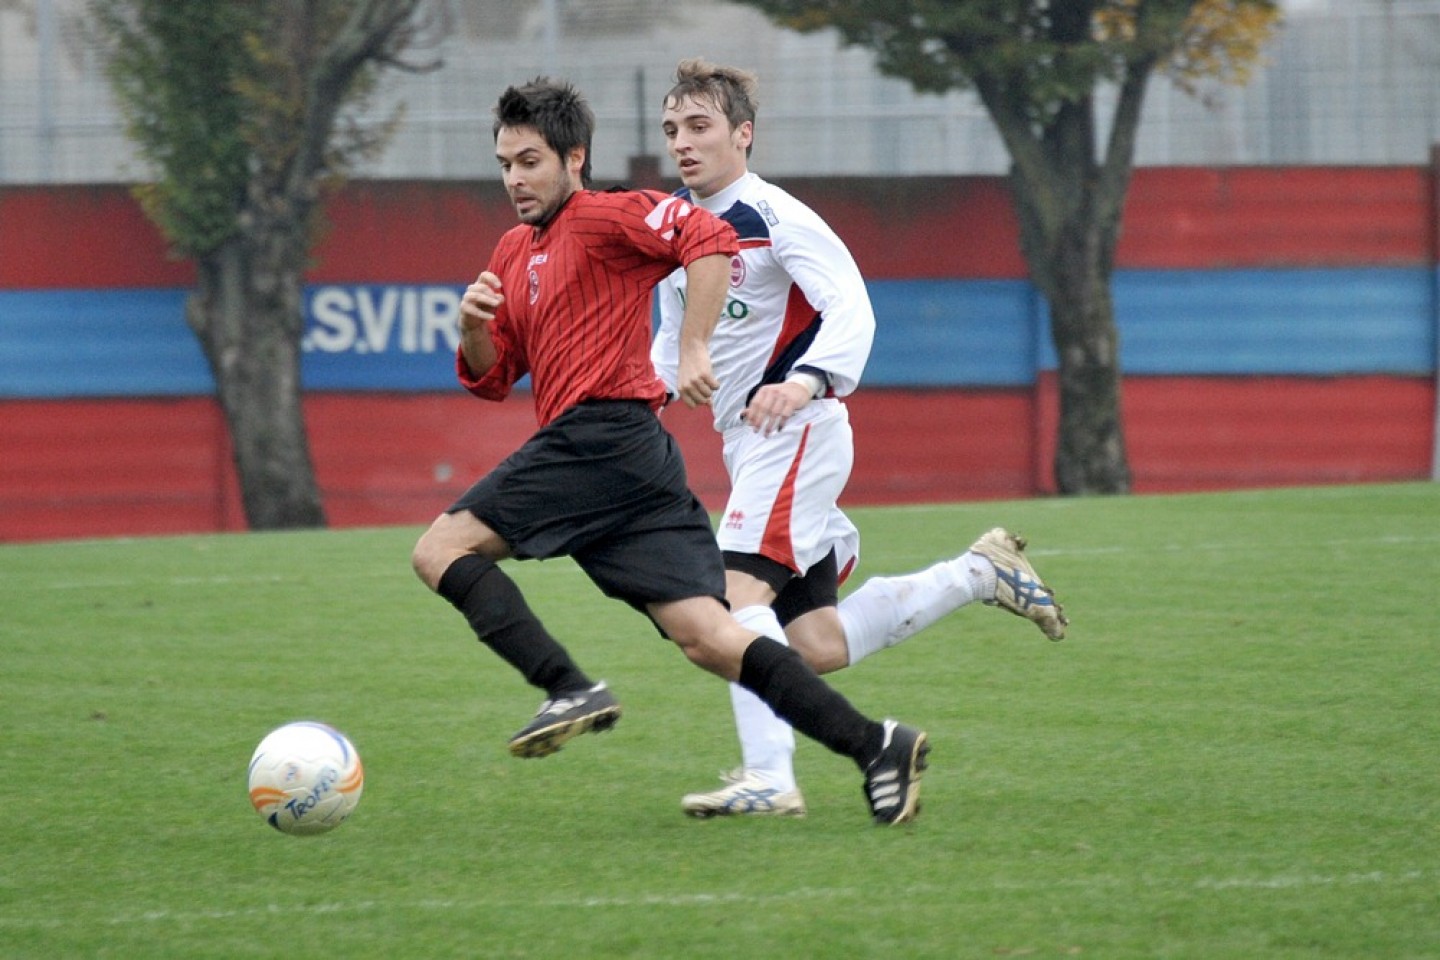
(556, 110)
(729, 89)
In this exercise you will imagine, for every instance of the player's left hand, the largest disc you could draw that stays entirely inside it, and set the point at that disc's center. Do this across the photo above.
(773, 405)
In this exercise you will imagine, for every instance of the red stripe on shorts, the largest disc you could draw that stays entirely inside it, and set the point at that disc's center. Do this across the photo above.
(776, 543)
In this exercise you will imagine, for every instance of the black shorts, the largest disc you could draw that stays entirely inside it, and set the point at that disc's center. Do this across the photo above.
(604, 483)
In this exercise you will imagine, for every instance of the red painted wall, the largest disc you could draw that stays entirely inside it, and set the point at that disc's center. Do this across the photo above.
(115, 467)
(1200, 218)
(91, 237)
(83, 237)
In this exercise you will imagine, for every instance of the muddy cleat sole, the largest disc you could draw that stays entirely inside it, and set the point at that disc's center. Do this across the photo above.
(1018, 588)
(892, 781)
(744, 794)
(564, 718)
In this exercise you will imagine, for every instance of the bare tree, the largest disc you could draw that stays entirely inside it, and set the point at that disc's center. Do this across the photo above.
(246, 109)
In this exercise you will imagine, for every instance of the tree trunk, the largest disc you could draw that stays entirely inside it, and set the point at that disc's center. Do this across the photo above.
(1090, 452)
(1069, 251)
(247, 313)
(1069, 211)
(1070, 266)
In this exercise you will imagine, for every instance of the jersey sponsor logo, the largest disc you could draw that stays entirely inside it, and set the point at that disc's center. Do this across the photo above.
(734, 309)
(735, 520)
(666, 216)
(381, 319)
(767, 212)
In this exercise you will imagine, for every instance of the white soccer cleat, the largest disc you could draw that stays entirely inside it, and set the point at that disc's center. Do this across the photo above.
(1018, 588)
(744, 794)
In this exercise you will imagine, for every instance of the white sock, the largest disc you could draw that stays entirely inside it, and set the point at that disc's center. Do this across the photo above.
(887, 610)
(767, 744)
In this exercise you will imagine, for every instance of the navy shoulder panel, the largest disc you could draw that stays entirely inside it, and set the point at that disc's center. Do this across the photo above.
(747, 221)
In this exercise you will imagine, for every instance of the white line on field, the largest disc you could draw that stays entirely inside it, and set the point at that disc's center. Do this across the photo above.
(1379, 878)
(1246, 547)
(1293, 881)
(113, 583)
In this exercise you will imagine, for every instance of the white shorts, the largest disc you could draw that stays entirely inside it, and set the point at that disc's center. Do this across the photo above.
(784, 488)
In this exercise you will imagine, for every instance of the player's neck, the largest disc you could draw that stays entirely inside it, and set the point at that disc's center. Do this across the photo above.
(541, 225)
(744, 172)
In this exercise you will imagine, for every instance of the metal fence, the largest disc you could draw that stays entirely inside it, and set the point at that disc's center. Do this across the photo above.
(1351, 83)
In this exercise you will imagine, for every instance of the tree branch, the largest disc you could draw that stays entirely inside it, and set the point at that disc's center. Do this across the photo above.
(376, 32)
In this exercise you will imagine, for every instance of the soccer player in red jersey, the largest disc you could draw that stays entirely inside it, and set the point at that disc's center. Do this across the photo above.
(565, 298)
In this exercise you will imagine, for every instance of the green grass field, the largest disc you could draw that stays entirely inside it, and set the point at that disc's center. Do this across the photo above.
(1236, 753)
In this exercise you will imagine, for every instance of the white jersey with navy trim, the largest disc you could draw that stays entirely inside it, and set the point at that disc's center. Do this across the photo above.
(796, 299)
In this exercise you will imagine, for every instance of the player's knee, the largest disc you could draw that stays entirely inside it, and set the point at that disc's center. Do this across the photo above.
(703, 635)
(819, 637)
(420, 564)
(823, 654)
(425, 561)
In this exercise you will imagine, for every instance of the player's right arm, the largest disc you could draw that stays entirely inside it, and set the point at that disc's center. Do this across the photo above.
(707, 282)
(478, 307)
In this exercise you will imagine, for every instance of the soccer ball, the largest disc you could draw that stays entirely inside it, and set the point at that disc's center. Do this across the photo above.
(305, 778)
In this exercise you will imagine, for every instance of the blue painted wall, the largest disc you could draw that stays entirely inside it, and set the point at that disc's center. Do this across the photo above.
(933, 333)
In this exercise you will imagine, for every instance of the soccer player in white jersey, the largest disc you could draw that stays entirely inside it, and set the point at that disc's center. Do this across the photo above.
(792, 341)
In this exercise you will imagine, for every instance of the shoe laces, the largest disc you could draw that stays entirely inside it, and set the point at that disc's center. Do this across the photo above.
(561, 704)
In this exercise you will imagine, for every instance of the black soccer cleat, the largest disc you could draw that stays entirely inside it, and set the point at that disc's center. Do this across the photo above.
(562, 718)
(892, 780)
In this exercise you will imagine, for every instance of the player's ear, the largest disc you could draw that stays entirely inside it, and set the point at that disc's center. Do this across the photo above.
(575, 163)
(746, 133)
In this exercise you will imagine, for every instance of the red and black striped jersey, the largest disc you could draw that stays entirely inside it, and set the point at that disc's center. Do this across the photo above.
(576, 315)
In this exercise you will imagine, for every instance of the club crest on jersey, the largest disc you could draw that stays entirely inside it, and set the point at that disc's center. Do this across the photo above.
(737, 270)
(534, 286)
(666, 216)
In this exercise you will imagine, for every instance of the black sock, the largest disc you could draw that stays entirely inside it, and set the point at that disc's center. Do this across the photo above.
(777, 675)
(500, 617)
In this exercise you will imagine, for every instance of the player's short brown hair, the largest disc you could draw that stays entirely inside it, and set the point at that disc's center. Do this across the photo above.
(729, 89)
